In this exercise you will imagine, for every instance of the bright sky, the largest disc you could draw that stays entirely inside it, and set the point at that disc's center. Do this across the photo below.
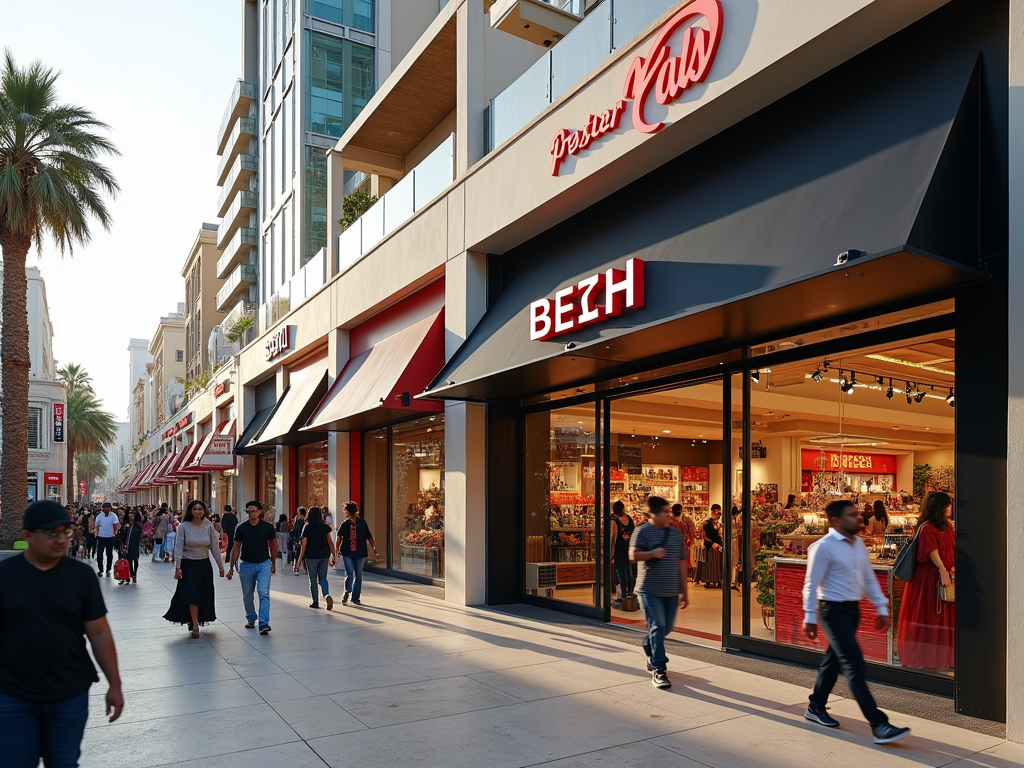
(160, 75)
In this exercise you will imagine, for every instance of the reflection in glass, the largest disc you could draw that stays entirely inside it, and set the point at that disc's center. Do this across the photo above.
(417, 497)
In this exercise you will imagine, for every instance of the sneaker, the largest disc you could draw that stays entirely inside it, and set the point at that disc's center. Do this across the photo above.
(108, 573)
(886, 733)
(250, 625)
(817, 714)
(330, 602)
(660, 680)
(314, 605)
(357, 602)
(650, 667)
(616, 603)
(265, 630)
(99, 572)
(344, 598)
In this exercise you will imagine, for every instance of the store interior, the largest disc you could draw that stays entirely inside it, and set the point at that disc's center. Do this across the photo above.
(871, 424)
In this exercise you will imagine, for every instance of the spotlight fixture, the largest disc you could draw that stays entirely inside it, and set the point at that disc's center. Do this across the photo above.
(755, 376)
(817, 375)
(951, 398)
(845, 385)
(906, 391)
(919, 397)
(888, 392)
(880, 381)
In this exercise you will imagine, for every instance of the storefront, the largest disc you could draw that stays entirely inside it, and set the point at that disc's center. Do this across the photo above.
(768, 322)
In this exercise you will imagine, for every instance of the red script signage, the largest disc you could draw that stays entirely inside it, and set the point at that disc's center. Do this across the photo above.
(862, 463)
(666, 75)
(577, 305)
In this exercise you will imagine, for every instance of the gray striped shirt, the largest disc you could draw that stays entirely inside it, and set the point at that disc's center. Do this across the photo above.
(659, 577)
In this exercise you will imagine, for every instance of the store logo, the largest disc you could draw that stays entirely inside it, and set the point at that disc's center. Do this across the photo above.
(53, 478)
(583, 303)
(220, 389)
(58, 422)
(278, 343)
(666, 75)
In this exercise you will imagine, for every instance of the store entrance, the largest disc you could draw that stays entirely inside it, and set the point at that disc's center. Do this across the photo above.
(669, 444)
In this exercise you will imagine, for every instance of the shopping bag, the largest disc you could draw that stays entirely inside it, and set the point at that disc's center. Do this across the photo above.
(122, 571)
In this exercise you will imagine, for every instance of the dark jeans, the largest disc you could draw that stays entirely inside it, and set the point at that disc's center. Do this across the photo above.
(104, 546)
(839, 621)
(133, 563)
(626, 574)
(49, 731)
(661, 618)
(354, 575)
(316, 567)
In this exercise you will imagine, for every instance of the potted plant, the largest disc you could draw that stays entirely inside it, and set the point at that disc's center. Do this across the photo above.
(765, 575)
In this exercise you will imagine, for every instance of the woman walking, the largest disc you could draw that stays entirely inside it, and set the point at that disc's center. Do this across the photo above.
(131, 542)
(318, 551)
(926, 624)
(172, 532)
(283, 530)
(353, 536)
(196, 540)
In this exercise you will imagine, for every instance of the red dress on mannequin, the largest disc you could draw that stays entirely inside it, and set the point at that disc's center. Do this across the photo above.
(926, 624)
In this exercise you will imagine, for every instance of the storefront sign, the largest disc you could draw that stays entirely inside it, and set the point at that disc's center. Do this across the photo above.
(581, 304)
(221, 388)
(835, 461)
(179, 425)
(58, 422)
(278, 342)
(53, 478)
(220, 452)
(667, 76)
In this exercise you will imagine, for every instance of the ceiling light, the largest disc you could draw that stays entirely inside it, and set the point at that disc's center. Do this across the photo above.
(755, 376)
(666, 431)
(906, 391)
(951, 398)
(909, 364)
(846, 385)
(888, 392)
(817, 376)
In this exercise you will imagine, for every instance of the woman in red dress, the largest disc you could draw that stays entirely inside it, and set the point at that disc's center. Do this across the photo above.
(926, 623)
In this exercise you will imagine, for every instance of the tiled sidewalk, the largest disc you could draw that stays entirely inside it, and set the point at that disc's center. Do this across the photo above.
(410, 680)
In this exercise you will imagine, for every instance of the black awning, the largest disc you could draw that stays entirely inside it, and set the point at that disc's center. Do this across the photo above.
(262, 416)
(858, 287)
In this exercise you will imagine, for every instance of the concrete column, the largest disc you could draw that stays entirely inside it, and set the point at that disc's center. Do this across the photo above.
(465, 444)
(1015, 407)
(339, 484)
(282, 461)
(469, 136)
(335, 203)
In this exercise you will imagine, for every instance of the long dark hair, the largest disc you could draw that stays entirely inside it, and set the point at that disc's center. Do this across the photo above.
(188, 510)
(313, 516)
(935, 510)
(880, 513)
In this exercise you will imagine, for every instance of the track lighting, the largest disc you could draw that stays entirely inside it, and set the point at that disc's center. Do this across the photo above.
(845, 385)
(888, 392)
(906, 391)
(951, 398)
(755, 376)
(919, 397)
(817, 376)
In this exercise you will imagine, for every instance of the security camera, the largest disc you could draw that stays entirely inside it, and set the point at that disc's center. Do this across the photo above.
(849, 255)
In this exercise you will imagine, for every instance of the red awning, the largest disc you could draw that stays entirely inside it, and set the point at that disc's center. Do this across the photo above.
(217, 451)
(132, 486)
(160, 474)
(187, 454)
(379, 386)
(145, 477)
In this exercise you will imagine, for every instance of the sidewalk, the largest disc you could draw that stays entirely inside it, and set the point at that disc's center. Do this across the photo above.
(410, 680)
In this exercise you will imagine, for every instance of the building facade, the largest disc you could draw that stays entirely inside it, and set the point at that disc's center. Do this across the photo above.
(168, 367)
(201, 313)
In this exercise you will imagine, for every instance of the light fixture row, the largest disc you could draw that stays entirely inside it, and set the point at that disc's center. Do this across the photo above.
(913, 392)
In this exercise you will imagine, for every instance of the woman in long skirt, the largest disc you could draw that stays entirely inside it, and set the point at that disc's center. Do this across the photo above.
(197, 539)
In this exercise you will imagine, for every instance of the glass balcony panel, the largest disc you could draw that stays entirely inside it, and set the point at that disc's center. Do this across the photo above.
(399, 207)
(350, 246)
(314, 272)
(242, 95)
(373, 224)
(435, 173)
(633, 16)
(522, 101)
(581, 51)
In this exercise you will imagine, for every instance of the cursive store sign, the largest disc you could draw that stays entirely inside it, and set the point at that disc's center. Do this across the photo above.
(278, 343)
(606, 294)
(660, 73)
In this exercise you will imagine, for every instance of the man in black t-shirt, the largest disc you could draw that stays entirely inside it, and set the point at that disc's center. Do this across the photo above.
(256, 545)
(228, 522)
(45, 669)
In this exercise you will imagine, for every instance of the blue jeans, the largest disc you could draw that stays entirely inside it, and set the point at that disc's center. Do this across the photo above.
(626, 574)
(354, 575)
(255, 576)
(317, 567)
(50, 731)
(661, 618)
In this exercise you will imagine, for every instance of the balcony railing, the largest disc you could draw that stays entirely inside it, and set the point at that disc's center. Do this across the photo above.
(421, 185)
(242, 96)
(606, 28)
(303, 284)
(237, 250)
(237, 282)
(238, 142)
(244, 168)
(236, 216)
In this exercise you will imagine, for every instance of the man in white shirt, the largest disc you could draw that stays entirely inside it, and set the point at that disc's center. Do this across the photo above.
(106, 524)
(839, 574)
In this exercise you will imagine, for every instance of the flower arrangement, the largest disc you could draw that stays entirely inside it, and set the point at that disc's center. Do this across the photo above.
(774, 519)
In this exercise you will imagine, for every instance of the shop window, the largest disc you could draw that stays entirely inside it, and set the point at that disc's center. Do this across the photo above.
(35, 428)
(268, 483)
(312, 485)
(874, 426)
(417, 497)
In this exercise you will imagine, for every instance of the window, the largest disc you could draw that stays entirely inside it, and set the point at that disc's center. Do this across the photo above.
(179, 356)
(329, 10)
(314, 235)
(35, 428)
(325, 85)
(417, 497)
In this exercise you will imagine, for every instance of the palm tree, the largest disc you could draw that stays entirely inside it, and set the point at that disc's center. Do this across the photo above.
(74, 377)
(51, 183)
(89, 466)
(89, 428)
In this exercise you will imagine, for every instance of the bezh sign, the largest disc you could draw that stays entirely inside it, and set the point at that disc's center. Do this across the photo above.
(580, 304)
(53, 478)
(58, 422)
(278, 343)
(864, 463)
(667, 76)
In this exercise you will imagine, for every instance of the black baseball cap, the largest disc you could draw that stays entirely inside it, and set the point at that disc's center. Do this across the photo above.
(45, 515)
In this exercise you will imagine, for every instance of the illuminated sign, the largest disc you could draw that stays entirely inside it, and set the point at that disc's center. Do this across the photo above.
(606, 294)
(58, 422)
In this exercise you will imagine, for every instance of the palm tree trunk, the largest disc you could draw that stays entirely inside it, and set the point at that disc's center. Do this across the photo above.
(15, 361)
(72, 480)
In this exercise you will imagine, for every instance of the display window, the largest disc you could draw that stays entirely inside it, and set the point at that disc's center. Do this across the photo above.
(267, 482)
(313, 476)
